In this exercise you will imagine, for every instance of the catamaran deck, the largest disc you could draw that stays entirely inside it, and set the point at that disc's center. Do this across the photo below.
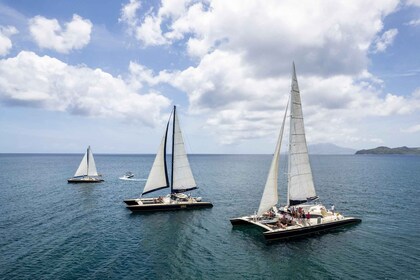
(275, 231)
(165, 204)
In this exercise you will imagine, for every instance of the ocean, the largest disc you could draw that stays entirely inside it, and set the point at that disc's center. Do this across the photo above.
(50, 229)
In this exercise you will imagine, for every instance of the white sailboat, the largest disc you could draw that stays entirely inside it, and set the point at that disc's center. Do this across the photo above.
(181, 180)
(301, 216)
(86, 173)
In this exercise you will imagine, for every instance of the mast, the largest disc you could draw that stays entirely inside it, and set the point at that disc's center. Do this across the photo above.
(87, 158)
(173, 148)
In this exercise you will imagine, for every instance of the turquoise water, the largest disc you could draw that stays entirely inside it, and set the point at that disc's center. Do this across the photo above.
(53, 230)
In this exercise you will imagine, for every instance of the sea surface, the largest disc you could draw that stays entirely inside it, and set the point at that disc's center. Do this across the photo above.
(53, 230)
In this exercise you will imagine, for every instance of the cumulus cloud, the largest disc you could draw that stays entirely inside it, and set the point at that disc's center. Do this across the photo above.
(5, 43)
(327, 37)
(49, 34)
(48, 83)
(414, 22)
(415, 3)
(241, 79)
(387, 38)
(128, 13)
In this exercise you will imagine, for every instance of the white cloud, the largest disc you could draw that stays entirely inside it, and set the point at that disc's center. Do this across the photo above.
(241, 78)
(128, 13)
(413, 3)
(5, 43)
(387, 38)
(49, 34)
(412, 129)
(414, 22)
(45, 82)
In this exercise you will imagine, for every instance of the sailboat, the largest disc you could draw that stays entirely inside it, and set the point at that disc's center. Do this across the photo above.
(303, 214)
(86, 173)
(181, 180)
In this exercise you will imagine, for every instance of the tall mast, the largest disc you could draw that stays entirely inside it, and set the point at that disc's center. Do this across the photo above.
(290, 136)
(173, 145)
(87, 158)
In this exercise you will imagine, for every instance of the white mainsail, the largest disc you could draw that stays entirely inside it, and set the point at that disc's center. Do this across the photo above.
(87, 166)
(270, 195)
(300, 183)
(183, 178)
(158, 175)
(91, 164)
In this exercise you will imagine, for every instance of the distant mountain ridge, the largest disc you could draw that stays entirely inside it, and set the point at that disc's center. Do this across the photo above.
(382, 150)
(329, 149)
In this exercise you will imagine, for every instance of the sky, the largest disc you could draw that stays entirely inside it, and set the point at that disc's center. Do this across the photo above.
(107, 73)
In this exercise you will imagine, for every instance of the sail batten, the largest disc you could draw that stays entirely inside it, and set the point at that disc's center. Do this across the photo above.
(300, 179)
(270, 195)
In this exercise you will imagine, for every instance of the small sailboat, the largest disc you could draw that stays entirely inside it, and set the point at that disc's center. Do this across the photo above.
(302, 215)
(181, 181)
(86, 173)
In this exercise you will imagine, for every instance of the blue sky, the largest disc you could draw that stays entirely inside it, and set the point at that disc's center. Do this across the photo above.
(106, 73)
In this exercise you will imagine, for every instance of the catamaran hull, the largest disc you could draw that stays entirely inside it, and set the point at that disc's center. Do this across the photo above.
(239, 222)
(84, 181)
(308, 230)
(167, 207)
(131, 202)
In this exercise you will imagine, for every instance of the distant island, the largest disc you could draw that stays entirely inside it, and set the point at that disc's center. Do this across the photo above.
(382, 150)
(329, 149)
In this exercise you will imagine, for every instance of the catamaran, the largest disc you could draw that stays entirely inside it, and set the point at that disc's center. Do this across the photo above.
(181, 181)
(303, 214)
(86, 173)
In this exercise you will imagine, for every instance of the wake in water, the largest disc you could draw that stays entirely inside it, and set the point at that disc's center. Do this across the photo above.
(132, 179)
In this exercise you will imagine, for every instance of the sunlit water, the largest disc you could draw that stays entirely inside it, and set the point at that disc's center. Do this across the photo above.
(53, 230)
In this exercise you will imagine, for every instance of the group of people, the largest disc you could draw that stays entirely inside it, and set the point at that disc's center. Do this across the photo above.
(292, 215)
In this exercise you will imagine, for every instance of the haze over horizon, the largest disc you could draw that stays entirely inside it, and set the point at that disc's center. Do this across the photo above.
(106, 74)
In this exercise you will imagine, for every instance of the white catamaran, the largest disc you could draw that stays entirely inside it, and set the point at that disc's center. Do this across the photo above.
(86, 173)
(182, 179)
(301, 216)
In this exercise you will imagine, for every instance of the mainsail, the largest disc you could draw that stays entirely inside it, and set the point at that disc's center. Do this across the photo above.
(87, 166)
(182, 177)
(91, 171)
(300, 183)
(270, 194)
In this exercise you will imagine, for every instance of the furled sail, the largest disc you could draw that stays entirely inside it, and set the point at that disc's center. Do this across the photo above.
(300, 183)
(87, 166)
(158, 176)
(182, 177)
(270, 195)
